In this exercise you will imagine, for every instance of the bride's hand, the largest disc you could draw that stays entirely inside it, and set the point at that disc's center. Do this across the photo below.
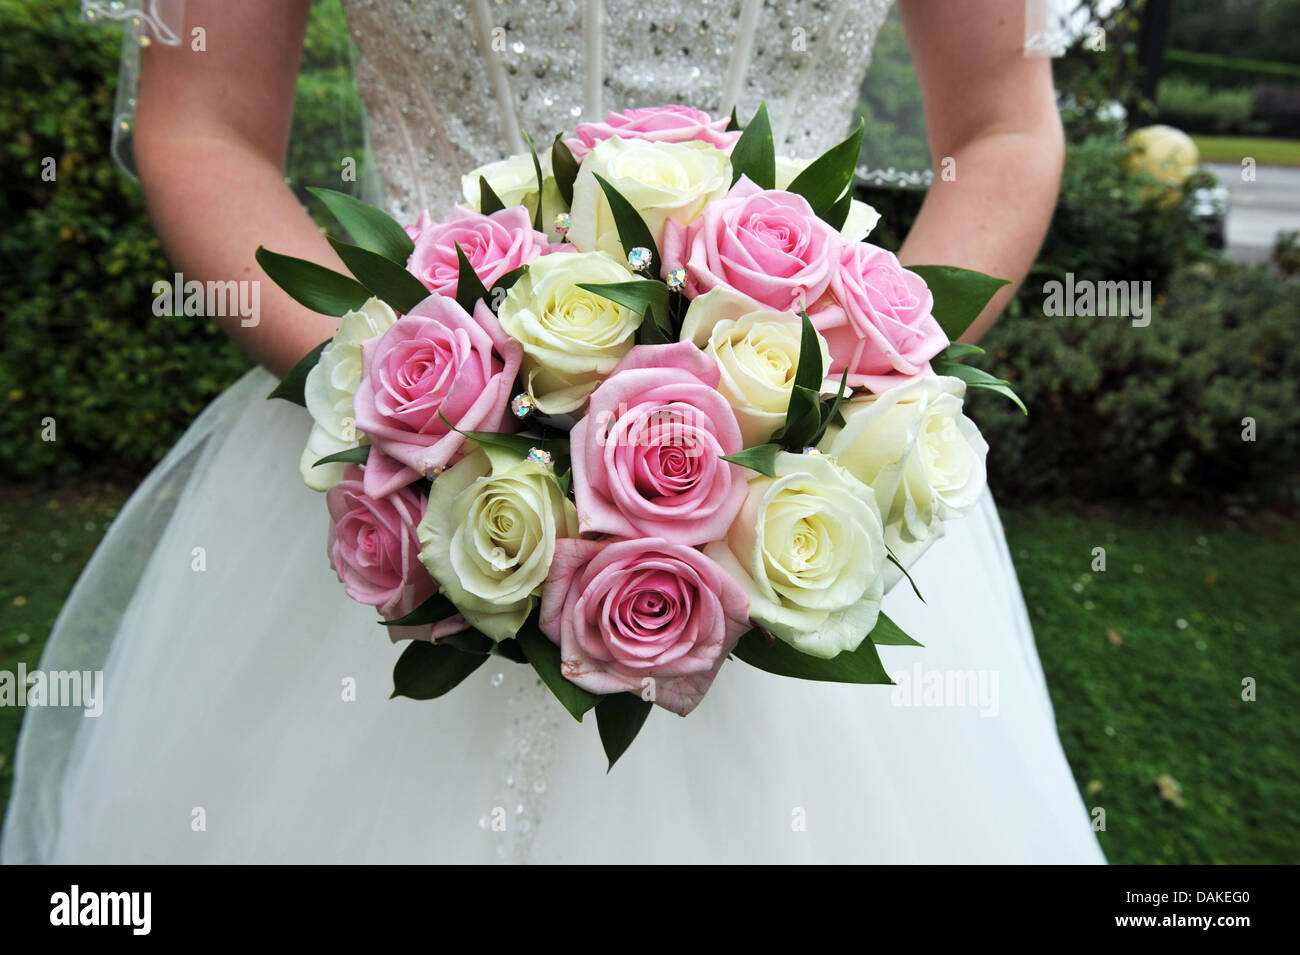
(212, 132)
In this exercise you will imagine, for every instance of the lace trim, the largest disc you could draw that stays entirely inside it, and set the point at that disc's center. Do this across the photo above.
(892, 178)
(143, 23)
(159, 20)
(1047, 31)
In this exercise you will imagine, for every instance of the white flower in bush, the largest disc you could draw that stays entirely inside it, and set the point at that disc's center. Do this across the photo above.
(757, 351)
(807, 547)
(488, 536)
(514, 180)
(572, 338)
(661, 180)
(330, 388)
(921, 455)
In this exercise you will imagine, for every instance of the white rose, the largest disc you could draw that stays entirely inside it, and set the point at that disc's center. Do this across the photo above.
(757, 351)
(488, 537)
(807, 547)
(514, 180)
(572, 338)
(661, 180)
(921, 455)
(861, 219)
(330, 388)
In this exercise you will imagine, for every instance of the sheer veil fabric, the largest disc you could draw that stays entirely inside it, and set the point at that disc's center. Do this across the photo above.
(246, 715)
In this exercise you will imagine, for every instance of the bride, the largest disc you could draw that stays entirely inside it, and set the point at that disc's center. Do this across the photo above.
(246, 714)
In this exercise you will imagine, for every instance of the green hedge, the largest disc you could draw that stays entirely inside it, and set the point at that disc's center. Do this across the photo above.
(1226, 72)
(78, 256)
(1156, 412)
(1194, 107)
(77, 261)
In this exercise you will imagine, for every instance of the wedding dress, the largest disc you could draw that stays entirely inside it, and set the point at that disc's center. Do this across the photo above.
(246, 713)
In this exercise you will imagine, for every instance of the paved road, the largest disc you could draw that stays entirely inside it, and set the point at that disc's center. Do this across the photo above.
(1259, 210)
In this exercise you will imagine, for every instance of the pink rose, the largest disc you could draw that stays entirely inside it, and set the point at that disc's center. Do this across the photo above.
(374, 548)
(647, 455)
(662, 124)
(417, 229)
(766, 244)
(882, 326)
(435, 363)
(494, 244)
(644, 613)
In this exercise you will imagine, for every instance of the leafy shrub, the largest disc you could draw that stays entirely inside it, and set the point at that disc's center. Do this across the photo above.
(1193, 106)
(1114, 222)
(78, 256)
(1228, 72)
(77, 261)
(1159, 411)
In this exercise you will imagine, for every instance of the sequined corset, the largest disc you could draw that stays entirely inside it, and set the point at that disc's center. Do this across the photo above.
(452, 84)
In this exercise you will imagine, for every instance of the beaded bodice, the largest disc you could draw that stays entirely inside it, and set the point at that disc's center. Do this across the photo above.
(451, 84)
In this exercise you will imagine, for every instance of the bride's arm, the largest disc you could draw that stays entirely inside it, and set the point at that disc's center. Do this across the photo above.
(991, 110)
(212, 133)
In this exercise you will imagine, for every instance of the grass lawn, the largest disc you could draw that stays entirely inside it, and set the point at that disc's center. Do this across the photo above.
(1145, 661)
(45, 539)
(1266, 152)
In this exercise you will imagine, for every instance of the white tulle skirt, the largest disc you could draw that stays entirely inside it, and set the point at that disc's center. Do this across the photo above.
(246, 714)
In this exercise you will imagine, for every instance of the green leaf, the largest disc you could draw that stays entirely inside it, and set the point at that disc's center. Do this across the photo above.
(886, 633)
(507, 281)
(889, 556)
(426, 670)
(825, 180)
(838, 214)
(959, 295)
(359, 455)
(469, 641)
(488, 201)
(647, 297)
(733, 124)
(958, 350)
(640, 295)
(385, 278)
(320, 289)
(977, 378)
(565, 168)
(632, 230)
(776, 656)
(469, 287)
(619, 717)
(761, 459)
(291, 386)
(545, 659)
(537, 168)
(808, 373)
(803, 417)
(369, 227)
(434, 610)
(755, 154)
(831, 410)
(510, 650)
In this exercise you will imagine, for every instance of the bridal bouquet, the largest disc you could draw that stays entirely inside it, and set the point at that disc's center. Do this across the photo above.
(645, 403)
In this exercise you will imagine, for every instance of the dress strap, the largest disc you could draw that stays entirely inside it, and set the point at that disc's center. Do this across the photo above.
(738, 65)
(593, 42)
(496, 71)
